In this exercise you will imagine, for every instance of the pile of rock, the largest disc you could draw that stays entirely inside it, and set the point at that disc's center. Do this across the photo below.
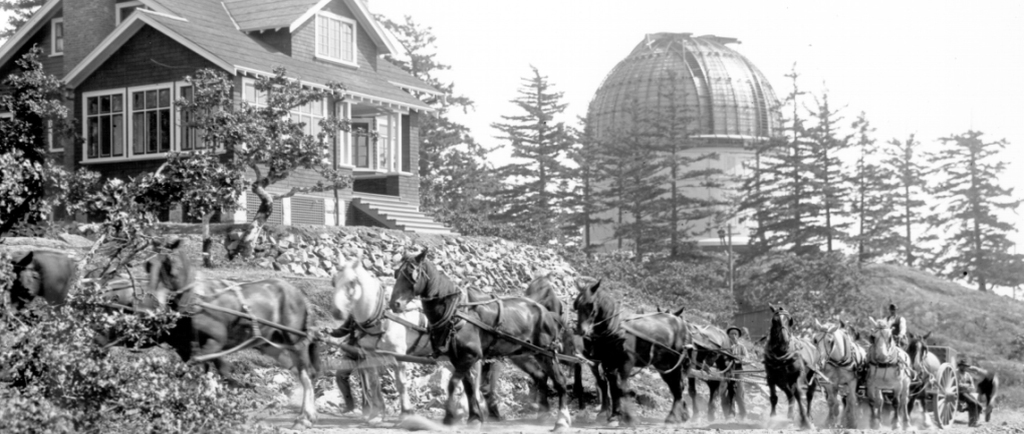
(489, 264)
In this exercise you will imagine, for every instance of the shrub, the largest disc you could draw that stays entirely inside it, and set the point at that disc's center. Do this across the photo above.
(61, 381)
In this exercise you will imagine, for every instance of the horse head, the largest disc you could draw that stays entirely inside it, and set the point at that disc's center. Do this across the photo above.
(351, 283)
(411, 278)
(918, 348)
(588, 304)
(882, 342)
(170, 272)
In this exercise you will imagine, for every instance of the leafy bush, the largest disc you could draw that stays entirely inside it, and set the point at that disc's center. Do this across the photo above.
(61, 381)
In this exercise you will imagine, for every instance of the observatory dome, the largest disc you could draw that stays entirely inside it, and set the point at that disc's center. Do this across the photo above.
(729, 99)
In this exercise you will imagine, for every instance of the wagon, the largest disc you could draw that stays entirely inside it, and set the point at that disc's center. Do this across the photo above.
(941, 390)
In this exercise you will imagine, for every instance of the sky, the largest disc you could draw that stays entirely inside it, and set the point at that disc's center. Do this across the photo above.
(932, 68)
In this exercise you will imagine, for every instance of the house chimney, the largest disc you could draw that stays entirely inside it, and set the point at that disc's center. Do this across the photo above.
(86, 24)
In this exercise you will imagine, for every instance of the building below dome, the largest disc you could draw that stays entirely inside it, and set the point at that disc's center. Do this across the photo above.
(728, 105)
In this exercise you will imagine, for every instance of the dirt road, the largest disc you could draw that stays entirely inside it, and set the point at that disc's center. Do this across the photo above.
(329, 423)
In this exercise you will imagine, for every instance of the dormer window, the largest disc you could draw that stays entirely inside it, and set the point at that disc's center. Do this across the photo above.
(125, 10)
(57, 40)
(335, 38)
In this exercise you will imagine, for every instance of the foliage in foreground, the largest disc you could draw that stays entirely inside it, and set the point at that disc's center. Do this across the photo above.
(57, 379)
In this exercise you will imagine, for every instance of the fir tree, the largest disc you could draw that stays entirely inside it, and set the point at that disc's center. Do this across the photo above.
(970, 201)
(874, 199)
(20, 12)
(903, 160)
(583, 201)
(672, 138)
(455, 176)
(534, 187)
(631, 157)
(827, 169)
(780, 189)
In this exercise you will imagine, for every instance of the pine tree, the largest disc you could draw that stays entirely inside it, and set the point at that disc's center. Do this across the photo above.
(672, 138)
(583, 201)
(903, 160)
(455, 176)
(631, 164)
(534, 187)
(970, 201)
(20, 12)
(780, 190)
(874, 197)
(826, 142)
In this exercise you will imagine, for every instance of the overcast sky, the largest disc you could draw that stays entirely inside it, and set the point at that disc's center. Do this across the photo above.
(932, 68)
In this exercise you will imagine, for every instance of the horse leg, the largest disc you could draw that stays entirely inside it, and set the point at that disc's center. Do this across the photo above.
(713, 389)
(539, 386)
(692, 389)
(622, 380)
(832, 402)
(788, 391)
(812, 386)
(490, 373)
(875, 397)
(799, 390)
(577, 385)
(851, 407)
(773, 397)
(674, 379)
(449, 409)
(553, 370)
(403, 395)
(470, 388)
(373, 394)
(602, 390)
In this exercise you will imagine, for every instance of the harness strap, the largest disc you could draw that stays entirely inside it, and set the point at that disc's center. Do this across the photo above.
(237, 289)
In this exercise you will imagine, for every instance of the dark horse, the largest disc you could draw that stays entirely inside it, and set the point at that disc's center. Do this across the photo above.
(926, 363)
(174, 283)
(711, 343)
(789, 364)
(43, 274)
(465, 343)
(621, 344)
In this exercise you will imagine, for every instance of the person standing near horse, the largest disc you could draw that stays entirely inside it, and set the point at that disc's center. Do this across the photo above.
(967, 389)
(899, 326)
(734, 389)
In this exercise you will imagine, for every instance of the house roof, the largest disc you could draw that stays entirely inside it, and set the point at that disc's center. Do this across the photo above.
(399, 77)
(206, 28)
(267, 14)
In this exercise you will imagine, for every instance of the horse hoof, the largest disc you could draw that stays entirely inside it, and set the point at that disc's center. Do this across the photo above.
(474, 424)
(613, 423)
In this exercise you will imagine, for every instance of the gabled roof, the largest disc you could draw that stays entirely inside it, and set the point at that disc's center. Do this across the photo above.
(254, 15)
(205, 28)
(399, 77)
(39, 19)
(267, 14)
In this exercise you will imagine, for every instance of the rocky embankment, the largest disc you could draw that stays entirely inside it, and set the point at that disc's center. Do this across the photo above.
(489, 264)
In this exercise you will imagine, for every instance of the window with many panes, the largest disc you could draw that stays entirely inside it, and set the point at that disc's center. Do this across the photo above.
(57, 36)
(335, 38)
(104, 124)
(151, 120)
(311, 114)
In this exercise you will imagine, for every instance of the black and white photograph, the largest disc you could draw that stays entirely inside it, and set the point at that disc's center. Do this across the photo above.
(385, 216)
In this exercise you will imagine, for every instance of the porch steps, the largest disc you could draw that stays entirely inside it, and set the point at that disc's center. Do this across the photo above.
(393, 213)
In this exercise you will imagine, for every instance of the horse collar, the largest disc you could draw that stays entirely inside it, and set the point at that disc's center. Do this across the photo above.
(374, 319)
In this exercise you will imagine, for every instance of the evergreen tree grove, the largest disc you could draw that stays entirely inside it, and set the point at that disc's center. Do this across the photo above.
(970, 201)
(827, 182)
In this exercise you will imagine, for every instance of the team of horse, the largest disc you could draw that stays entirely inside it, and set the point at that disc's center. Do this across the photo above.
(426, 314)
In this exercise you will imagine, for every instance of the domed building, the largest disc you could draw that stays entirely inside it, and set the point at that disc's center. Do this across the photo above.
(727, 100)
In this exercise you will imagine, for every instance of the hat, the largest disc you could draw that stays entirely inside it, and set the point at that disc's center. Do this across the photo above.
(738, 330)
(963, 362)
(892, 307)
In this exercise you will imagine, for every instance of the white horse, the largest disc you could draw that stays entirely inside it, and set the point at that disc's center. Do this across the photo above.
(889, 368)
(360, 302)
(843, 359)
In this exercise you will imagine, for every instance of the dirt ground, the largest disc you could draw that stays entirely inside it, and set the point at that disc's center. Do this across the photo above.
(1003, 420)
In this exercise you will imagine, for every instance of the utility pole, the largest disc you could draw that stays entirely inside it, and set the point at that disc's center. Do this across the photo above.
(731, 275)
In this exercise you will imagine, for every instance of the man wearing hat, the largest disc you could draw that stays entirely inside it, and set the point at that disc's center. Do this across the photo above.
(734, 389)
(899, 326)
(965, 381)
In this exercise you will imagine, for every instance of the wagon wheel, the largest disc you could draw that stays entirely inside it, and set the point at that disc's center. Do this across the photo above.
(947, 395)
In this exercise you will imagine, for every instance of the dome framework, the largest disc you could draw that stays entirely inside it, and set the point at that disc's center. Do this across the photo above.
(729, 99)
